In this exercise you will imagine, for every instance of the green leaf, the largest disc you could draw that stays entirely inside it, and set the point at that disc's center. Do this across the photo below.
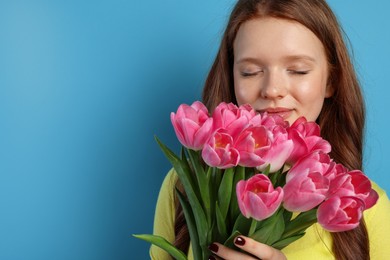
(242, 224)
(221, 223)
(214, 175)
(287, 216)
(234, 209)
(212, 190)
(192, 229)
(209, 172)
(225, 191)
(249, 172)
(184, 173)
(301, 223)
(278, 178)
(179, 164)
(274, 178)
(271, 229)
(164, 244)
(266, 170)
(230, 241)
(213, 232)
(217, 175)
(184, 160)
(286, 241)
(203, 183)
(282, 179)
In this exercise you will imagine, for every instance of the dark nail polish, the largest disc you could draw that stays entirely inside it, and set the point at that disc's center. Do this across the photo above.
(239, 241)
(212, 258)
(213, 247)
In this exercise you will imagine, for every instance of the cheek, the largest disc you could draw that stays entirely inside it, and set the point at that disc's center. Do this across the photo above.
(314, 110)
(312, 89)
(311, 96)
(246, 90)
(244, 95)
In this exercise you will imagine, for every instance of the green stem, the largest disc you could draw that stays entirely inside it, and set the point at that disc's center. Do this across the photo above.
(301, 223)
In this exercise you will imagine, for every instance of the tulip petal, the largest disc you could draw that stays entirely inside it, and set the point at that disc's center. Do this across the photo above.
(340, 213)
(257, 198)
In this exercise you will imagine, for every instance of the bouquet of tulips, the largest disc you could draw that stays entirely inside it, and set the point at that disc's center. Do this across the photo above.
(254, 174)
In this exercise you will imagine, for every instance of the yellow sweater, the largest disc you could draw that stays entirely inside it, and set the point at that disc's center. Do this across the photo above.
(315, 244)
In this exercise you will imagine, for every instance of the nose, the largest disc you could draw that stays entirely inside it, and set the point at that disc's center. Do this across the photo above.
(273, 86)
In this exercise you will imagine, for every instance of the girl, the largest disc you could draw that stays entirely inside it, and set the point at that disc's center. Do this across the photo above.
(288, 57)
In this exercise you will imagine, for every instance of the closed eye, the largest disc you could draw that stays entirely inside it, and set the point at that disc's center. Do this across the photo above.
(299, 72)
(250, 74)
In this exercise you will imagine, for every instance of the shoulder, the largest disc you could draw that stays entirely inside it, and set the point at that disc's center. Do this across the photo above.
(168, 186)
(164, 219)
(166, 197)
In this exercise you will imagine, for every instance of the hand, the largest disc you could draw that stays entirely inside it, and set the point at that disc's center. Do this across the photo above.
(256, 249)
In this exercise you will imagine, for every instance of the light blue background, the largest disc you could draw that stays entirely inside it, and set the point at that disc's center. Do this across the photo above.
(85, 86)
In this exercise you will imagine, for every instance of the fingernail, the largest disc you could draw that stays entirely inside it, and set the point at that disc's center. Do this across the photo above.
(239, 241)
(212, 258)
(213, 247)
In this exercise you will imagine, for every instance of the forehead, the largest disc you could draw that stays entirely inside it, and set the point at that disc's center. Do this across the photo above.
(274, 37)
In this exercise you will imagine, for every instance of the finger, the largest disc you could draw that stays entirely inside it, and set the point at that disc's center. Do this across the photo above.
(214, 248)
(214, 257)
(226, 253)
(258, 249)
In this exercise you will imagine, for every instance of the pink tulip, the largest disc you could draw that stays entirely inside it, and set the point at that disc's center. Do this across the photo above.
(338, 169)
(192, 125)
(257, 198)
(220, 152)
(305, 191)
(232, 118)
(247, 111)
(313, 162)
(259, 147)
(354, 183)
(279, 150)
(306, 138)
(306, 186)
(271, 121)
(340, 213)
(252, 144)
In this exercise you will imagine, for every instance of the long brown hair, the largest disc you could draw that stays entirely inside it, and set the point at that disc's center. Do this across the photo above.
(343, 115)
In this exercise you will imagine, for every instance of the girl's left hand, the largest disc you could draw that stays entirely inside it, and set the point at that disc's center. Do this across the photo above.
(256, 249)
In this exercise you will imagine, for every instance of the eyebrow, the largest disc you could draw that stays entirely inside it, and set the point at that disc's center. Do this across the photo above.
(300, 57)
(287, 59)
(247, 60)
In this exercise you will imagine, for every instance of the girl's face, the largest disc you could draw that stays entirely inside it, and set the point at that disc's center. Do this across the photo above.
(280, 67)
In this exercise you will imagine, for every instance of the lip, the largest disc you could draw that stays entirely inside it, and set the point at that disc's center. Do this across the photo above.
(280, 111)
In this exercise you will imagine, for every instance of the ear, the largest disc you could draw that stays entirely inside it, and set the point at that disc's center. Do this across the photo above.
(329, 91)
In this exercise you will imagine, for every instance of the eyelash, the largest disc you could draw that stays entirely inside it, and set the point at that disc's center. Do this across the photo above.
(250, 74)
(299, 72)
(293, 72)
